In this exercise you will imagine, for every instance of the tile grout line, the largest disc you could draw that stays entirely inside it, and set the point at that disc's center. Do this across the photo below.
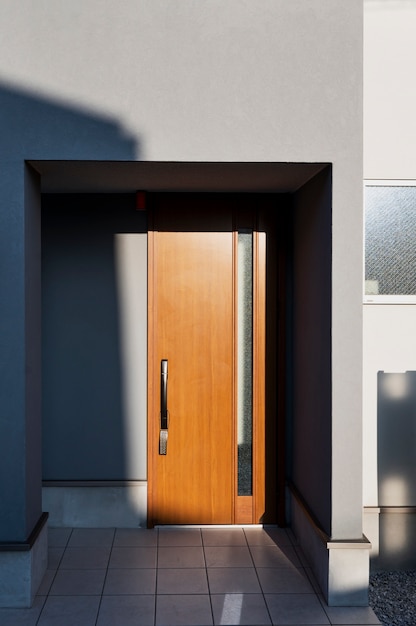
(206, 575)
(323, 607)
(105, 577)
(156, 573)
(43, 606)
(54, 576)
(258, 580)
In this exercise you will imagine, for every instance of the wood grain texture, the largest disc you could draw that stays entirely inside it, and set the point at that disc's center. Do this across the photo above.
(192, 322)
(193, 331)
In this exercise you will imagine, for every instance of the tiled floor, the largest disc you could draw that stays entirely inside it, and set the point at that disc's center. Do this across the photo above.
(180, 576)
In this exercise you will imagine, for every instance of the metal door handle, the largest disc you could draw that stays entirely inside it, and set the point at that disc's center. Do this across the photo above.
(164, 420)
(164, 393)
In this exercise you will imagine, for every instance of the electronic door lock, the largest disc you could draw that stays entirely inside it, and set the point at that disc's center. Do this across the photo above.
(163, 441)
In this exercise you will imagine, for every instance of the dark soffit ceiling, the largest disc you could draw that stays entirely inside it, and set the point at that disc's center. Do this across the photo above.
(124, 177)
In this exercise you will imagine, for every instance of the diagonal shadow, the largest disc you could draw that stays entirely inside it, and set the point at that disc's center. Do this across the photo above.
(36, 127)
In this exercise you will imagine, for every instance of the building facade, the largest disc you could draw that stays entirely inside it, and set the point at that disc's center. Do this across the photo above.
(239, 107)
(389, 303)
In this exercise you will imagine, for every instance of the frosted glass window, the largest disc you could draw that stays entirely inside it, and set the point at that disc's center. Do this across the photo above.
(390, 241)
(245, 362)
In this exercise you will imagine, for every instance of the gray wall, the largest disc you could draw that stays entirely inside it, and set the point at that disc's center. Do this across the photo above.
(396, 436)
(20, 353)
(85, 404)
(33, 333)
(184, 81)
(187, 81)
(312, 413)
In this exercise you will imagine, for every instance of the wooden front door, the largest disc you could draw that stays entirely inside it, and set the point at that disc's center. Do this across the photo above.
(195, 444)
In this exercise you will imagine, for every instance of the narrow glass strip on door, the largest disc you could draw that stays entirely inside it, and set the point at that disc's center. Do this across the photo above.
(245, 363)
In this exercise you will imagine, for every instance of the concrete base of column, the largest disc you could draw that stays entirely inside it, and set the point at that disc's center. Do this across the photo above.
(23, 566)
(341, 567)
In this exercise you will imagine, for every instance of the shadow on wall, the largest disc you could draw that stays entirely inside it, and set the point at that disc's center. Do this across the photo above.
(94, 357)
(36, 127)
(396, 401)
(85, 434)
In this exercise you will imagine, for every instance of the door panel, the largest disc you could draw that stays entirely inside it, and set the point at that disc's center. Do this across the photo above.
(192, 329)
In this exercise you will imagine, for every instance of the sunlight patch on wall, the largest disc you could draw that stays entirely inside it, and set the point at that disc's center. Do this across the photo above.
(396, 485)
(131, 268)
(396, 386)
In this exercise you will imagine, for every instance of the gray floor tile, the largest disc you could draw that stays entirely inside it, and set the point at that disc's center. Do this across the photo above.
(226, 537)
(294, 609)
(284, 580)
(180, 537)
(70, 611)
(186, 556)
(54, 557)
(232, 556)
(126, 537)
(240, 608)
(133, 557)
(22, 617)
(272, 556)
(347, 616)
(78, 582)
(312, 579)
(58, 537)
(182, 581)
(183, 610)
(254, 575)
(46, 583)
(267, 537)
(85, 558)
(233, 580)
(130, 582)
(92, 537)
(280, 536)
(127, 611)
(292, 536)
(301, 556)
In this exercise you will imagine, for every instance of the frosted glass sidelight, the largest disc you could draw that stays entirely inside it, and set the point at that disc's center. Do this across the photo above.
(245, 362)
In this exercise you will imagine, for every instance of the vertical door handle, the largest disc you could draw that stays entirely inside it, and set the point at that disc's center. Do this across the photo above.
(163, 436)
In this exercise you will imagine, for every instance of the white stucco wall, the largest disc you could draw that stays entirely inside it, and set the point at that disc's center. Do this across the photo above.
(389, 153)
(389, 89)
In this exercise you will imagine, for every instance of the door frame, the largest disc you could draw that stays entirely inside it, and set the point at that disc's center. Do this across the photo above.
(247, 509)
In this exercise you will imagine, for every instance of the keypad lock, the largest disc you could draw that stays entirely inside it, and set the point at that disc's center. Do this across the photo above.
(163, 442)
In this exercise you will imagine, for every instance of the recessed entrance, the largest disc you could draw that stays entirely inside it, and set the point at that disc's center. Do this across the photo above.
(98, 225)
